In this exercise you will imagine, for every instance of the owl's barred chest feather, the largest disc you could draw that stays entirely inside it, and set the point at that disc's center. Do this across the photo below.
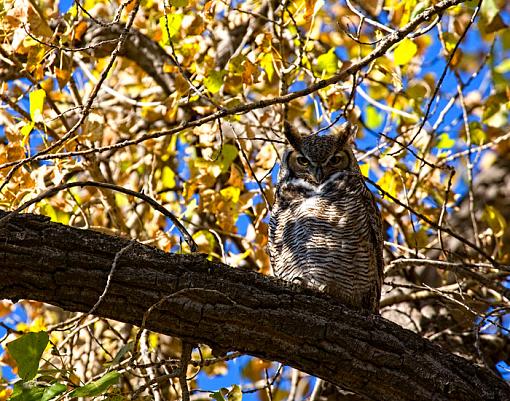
(331, 215)
(321, 235)
(328, 203)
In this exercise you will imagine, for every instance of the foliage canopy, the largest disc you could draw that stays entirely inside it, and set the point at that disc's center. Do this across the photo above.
(183, 102)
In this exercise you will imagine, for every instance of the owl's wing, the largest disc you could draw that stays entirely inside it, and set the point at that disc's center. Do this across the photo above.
(376, 234)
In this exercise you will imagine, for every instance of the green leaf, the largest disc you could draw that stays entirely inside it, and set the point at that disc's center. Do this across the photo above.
(214, 81)
(53, 391)
(404, 52)
(36, 99)
(125, 349)
(170, 25)
(27, 351)
(445, 142)
(97, 387)
(26, 392)
(328, 62)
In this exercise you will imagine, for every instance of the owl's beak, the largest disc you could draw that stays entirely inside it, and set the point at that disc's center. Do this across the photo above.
(318, 174)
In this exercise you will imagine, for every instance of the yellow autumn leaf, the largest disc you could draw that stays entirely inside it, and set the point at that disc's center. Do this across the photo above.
(168, 177)
(388, 184)
(35, 326)
(121, 200)
(25, 132)
(206, 242)
(445, 142)
(5, 394)
(231, 193)
(153, 340)
(365, 168)
(404, 52)
(36, 99)
(266, 62)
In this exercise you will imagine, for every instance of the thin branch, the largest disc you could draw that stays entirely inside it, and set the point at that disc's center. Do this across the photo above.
(54, 190)
(435, 225)
(110, 275)
(187, 348)
(370, 21)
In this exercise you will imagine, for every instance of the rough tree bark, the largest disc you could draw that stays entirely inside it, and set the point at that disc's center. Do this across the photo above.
(231, 309)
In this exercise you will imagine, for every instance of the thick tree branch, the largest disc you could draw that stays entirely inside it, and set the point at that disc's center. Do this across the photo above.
(231, 309)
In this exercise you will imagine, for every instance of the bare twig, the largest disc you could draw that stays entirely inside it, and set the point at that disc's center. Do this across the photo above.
(187, 348)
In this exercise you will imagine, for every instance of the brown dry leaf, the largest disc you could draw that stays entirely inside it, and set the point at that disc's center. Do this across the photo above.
(7, 360)
(15, 152)
(236, 177)
(250, 72)
(181, 85)
(309, 6)
(63, 76)
(79, 30)
(197, 26)
(209, 10)
(5, 308)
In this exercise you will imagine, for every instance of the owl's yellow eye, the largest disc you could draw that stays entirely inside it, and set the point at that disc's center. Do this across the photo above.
(302, 160)
(340, 159)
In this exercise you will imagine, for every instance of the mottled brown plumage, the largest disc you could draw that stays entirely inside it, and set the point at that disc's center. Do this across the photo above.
(325, 228)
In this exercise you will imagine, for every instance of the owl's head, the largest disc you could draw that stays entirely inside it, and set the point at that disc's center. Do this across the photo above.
(315, 158)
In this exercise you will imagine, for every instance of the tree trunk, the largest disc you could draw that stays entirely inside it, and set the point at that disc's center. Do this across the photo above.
(231, 309)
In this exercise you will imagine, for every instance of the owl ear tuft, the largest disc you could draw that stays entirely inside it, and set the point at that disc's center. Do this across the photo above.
(292, 135)
(348, 132)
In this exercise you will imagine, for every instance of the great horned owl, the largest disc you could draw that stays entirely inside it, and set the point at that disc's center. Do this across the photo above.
(325, 229)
